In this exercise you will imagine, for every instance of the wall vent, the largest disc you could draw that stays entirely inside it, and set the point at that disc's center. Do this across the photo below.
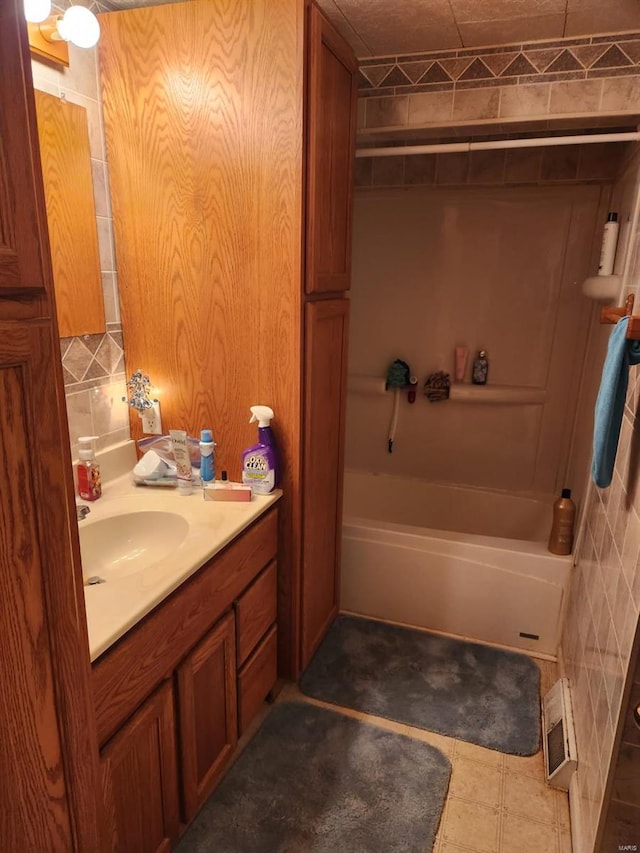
(559, 741)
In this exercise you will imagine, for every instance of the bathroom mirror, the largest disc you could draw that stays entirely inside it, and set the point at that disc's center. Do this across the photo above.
(71, 215)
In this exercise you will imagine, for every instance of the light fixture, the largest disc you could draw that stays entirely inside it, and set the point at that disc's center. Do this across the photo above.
(79, 26)
(50, 37)
(36, 11)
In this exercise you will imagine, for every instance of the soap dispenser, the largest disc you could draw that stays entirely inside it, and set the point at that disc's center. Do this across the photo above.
(89, 483)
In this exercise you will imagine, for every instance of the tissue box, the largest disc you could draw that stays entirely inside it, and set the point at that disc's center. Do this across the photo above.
(226, 492)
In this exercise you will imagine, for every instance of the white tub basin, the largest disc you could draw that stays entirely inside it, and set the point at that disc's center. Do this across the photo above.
(122, 545)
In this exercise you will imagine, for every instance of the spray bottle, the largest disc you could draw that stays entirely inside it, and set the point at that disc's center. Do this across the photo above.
(259, 462)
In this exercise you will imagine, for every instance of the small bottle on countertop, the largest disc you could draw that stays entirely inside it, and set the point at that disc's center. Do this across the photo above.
(480, 369)
(89, 482)
(207, 463)
(564, 516)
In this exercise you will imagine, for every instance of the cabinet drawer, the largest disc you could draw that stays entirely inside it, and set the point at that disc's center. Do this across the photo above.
(256, 679)
(255, 611)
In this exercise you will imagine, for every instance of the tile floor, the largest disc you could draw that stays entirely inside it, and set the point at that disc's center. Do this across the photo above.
(496, 803)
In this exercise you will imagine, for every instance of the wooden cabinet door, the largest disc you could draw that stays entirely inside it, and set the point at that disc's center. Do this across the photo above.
(49, 767)
(140, 780)
(208, 713)
(331, 124)
(22, 241)
(325, 376)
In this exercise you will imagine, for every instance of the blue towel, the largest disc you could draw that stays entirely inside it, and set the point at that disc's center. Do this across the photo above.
(621, 353)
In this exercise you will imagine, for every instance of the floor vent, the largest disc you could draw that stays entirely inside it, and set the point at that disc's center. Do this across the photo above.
(559, 742)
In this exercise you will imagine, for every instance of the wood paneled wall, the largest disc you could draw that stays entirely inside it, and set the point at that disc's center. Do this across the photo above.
(203, 117)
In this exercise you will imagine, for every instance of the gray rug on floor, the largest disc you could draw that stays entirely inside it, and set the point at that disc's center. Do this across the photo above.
(464, 690)
(314, 781)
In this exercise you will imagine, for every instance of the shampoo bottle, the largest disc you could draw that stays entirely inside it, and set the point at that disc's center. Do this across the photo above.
(564, 516)
(89, 483)
(259, 462)
(609, 244)
(480, 369)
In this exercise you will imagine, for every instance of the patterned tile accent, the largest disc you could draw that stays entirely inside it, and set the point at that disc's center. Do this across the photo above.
(91, 357)
(508, 63)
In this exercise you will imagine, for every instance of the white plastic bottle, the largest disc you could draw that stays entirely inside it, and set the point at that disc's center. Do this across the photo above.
(609, 243)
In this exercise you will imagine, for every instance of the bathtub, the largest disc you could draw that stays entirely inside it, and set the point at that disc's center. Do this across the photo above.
(462, 561)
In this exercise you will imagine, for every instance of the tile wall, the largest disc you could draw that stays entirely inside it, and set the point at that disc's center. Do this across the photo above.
(622, 824)
(595, 77)
(596, 163)
(604, 601)
(93, 365)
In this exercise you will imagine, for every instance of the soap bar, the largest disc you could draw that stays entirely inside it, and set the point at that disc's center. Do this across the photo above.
(226, 492)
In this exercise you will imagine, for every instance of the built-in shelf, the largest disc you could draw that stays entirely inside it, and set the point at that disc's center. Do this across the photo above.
(510, 395)
(463, 392)
(602, 288)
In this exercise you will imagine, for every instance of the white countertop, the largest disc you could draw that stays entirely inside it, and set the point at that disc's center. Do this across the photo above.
(115, 606)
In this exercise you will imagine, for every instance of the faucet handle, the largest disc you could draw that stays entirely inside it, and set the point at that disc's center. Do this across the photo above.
(82, 511)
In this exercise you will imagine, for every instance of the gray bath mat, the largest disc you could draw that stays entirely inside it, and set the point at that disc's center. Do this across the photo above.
(314, 781)
(464, 690)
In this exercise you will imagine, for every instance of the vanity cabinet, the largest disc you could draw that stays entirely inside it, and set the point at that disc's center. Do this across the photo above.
(208, 713)
(169, 693)
(140, 780)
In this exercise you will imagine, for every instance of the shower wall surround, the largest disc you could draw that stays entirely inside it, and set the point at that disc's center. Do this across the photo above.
(604, 601)
(93, 365)
(487, 267)
(560, 80)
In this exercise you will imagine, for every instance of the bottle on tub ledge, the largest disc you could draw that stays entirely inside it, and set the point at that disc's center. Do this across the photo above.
(480, 368)
(564, 517)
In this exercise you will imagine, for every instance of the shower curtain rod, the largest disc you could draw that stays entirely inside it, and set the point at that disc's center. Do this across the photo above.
(532, 142)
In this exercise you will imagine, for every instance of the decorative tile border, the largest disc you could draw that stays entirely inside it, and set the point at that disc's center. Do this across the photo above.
(534, 62)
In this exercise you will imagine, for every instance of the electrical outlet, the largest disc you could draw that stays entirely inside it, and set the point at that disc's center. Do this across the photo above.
(151, 421)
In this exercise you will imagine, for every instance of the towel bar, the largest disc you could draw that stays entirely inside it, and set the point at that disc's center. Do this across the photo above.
(612, 315)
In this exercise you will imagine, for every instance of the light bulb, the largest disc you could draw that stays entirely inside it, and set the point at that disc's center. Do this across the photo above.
(79, 26)
(37, 11)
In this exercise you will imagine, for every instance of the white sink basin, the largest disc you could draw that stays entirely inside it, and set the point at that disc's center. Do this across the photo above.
(125, 544)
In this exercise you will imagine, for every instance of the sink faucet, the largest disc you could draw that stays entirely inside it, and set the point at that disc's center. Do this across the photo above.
(82, 511)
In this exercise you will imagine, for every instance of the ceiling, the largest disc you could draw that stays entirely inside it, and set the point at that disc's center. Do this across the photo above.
(395, 27)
